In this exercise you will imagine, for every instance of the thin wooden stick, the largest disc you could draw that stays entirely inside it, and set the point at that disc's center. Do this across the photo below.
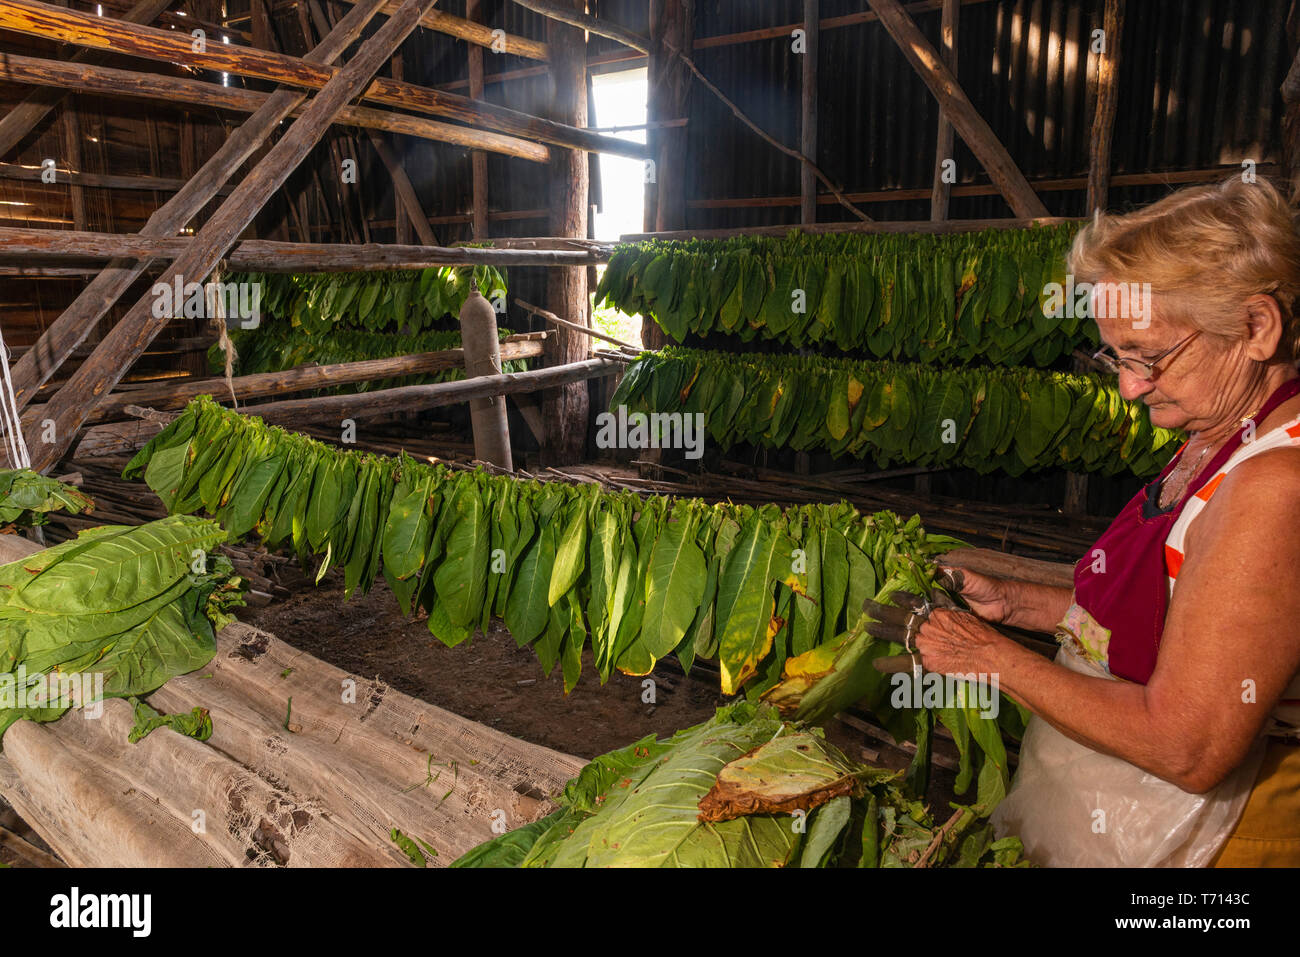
(788, 151)
(28, 852)
(552, 317)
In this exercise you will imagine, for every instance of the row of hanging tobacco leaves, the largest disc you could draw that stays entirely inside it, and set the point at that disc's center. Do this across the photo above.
(1011, 420)
(949, 299)
(407, 300)
(643, 578)
(276, 347)
(772, 595)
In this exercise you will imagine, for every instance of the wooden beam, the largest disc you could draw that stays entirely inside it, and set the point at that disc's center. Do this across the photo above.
(32, 174)
(24, 117)
(902, 226)
(827, 23)
(34, 18)
(961, 112)
(119, 349)
(416, 398)
(76, 322)
(175, 394)
(1103, 128)
(942, 189)
(1103, 120)
(476, 34)
(672, 25)
(808, 112)
(24, 244)
(403, 190)
(478, 159)
(568, 13)
(153, 86)
(1169, 178)
(566, 408)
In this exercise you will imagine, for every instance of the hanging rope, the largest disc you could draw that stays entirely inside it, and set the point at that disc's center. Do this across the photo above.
(217, 310)
(10, 423)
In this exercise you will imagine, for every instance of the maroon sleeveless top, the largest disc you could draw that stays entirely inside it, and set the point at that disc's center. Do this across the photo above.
(1131, 596)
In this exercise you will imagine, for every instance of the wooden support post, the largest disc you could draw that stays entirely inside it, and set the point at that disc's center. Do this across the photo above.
(1107, 98)
(1291, 118)
(478, 159)
(942, 189)
(464, 28)
(403, 220)
(566, 408)
(1001, 168)
(119, 349)
(72, 150)
(482, 348)
(1103, 127)
(669, 79)
(808, 112)
(22, 119)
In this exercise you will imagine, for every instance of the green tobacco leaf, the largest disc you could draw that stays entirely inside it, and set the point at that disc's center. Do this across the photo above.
(674, 588)
(746, 601)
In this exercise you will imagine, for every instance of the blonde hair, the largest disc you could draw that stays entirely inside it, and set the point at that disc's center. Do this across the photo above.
(1204, 250)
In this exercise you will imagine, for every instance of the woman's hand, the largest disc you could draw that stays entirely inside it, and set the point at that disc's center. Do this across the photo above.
(956, 642)
(986, 596)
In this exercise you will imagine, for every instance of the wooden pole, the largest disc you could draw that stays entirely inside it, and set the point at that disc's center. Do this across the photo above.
(176, 393)
(24, 117)
(34, 18)
(478, 159)
(1001, 168)
(72, 150)
(672, 27)
(475, 33)
(566, 407)
(893, 226)
(415, 398)
(75, 324)
(1103, 127)
(567, 12)
(942, 189)
(20, 244)
(1103, 121)
(152, 86)
(119, 349)
(403, 190)
(808, 112)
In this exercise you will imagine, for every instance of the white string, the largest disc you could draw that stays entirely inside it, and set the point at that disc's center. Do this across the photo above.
(9, 419)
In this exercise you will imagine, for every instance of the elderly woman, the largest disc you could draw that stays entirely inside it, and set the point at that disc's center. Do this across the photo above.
(1166, 731)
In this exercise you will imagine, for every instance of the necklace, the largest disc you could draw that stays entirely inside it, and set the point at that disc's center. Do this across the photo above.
(1170, 492)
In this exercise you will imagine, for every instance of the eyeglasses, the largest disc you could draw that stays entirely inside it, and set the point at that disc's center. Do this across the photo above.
(1145, 370)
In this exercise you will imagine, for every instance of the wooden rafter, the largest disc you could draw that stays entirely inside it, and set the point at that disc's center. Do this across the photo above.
(40, 19)
(124, 343)
(20, 245)
(569, 14)
(477, 34)
(972, 127)
(76, 322)
(153, 86)
(22, 119)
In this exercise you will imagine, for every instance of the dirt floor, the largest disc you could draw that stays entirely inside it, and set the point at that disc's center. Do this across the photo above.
(487, 679)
